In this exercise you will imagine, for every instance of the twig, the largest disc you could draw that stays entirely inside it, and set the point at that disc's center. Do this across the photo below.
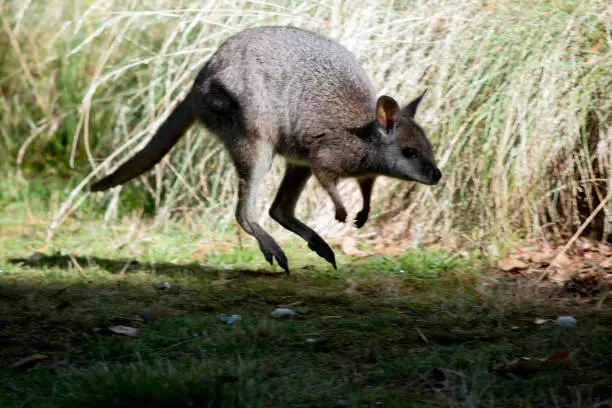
(581, 229)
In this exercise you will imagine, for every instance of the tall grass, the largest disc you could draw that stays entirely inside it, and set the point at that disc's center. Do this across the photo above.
(518, 108)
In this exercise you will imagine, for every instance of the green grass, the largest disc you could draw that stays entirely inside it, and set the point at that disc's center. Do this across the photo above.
(384, 328)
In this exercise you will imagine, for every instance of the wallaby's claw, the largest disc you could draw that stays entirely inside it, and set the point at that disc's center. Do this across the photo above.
(324, 251)
(271, 251)
(281, 259)
(361, 218)
(341, 214)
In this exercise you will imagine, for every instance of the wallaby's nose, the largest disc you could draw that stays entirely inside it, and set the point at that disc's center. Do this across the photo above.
(436, 175)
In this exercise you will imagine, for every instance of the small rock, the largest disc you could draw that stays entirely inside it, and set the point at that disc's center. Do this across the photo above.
(164, 286)
(566, 321)
(311, 340)
(35, 256)
(283, 312)
(230, 319)
(147, 317)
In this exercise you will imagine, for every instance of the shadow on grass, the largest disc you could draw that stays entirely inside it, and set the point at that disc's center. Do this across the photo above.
(359, 340)
(117, 266)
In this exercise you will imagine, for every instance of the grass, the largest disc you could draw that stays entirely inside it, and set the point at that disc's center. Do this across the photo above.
(517, 109)
(427, 328)
(517, 105)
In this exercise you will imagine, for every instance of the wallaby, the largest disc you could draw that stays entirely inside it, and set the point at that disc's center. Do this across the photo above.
(288, 91)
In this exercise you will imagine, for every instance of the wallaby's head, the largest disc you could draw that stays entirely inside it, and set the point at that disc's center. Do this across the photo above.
(406, 152)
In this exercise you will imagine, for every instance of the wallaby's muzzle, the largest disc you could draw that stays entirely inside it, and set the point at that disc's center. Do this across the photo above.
(435, 175)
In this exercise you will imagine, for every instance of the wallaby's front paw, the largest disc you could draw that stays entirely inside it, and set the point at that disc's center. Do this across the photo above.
(341, 214)
(323, 250)
(361, 218)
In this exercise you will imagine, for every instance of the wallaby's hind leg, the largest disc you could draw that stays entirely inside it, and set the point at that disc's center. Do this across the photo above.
(283, 210)
(365, 185)
(252, 161)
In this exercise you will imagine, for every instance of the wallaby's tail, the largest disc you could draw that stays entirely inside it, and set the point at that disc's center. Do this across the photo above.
(181, 119)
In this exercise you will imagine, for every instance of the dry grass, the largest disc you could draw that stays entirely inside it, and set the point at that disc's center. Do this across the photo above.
(511, 86)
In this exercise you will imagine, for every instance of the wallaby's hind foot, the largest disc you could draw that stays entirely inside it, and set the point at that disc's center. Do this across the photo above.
(323, 250)
(271, 250)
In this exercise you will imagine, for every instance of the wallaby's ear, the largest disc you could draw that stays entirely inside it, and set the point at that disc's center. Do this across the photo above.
(411, 108)
(387, 112)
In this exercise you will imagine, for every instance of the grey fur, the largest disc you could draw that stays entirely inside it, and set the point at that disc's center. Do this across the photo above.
(287, 91)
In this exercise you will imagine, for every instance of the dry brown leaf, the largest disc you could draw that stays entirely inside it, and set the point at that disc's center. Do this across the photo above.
(201, 251)
(561, 260)
(539, 321)
(221, 280)
(606, 263)
(541, 257)
(562, 359)
(349, 247)
(511, 264)
(166, 312)
(29, 361)
(125, 330)
(526, 367)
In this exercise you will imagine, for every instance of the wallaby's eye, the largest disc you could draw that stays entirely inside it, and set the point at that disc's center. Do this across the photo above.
(409, 152)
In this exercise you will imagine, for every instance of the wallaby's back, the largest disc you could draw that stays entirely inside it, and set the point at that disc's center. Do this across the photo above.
(293, 82)
(288, 84)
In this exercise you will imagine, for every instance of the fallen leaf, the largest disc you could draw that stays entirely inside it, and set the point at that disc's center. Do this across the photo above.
(165, 312)
(29, 361)
(596, 47)
(540, 257)
(349, 247)
(561, 261)
(200, 251)
(561, 359)
(523, 367)
(511, 264)
(539, 321)
(526, 367)
(221, 280)
(125, 330)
